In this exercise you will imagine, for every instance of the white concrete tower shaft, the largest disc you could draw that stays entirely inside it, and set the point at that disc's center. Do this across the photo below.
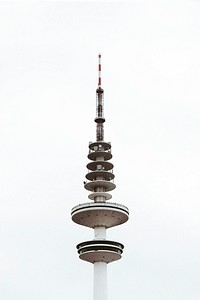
(100, 269)
(100, 281)
(99, 214)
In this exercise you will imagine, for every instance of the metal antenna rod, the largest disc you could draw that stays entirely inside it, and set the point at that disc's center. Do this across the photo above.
(99, 106)
(99, 83)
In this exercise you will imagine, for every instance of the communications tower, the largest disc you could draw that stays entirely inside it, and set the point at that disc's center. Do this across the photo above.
(100, 214)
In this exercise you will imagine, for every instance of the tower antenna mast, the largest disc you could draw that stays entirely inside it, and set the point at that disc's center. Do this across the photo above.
(99, 107)
(99, 82)
(100, 214)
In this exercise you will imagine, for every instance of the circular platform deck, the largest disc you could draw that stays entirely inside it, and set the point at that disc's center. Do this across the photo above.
(104, 174)
(93, 166)
(94, 155)
(104, 145)
(100, 214)
(100, 250)
(93, 185)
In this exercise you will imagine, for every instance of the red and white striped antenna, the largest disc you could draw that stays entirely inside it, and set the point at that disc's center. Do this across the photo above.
(99, 82)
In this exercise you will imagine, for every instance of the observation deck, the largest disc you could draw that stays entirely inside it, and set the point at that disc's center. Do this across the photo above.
(108, 176)
(99, 155)
(102, 165)
(99, 144)
(100, 214)
(100, 185)
(100, 251)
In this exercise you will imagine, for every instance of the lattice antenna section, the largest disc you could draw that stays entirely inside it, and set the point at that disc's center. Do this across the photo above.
(99, 107)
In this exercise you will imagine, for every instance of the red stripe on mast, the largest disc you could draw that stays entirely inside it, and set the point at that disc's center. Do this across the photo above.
(99, 83)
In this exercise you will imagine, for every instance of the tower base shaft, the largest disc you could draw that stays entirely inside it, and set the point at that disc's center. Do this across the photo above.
(100, 281)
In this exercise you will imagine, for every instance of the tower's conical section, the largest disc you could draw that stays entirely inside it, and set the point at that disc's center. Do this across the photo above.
(100, 214)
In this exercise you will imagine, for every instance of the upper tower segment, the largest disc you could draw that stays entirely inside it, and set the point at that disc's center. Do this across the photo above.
(99, 106)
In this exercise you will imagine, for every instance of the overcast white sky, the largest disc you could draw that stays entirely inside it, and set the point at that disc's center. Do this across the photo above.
(151, 77)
